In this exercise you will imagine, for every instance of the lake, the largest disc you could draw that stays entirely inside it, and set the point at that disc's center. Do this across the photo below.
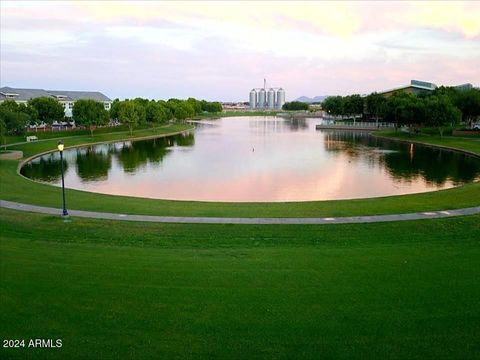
(257, 159)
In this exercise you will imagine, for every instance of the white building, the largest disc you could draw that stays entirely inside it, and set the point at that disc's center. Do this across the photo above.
(66, 98)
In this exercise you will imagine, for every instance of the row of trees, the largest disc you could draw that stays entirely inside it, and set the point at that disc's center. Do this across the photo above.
(344, 105)
(295, 105)
(15, 118)
(143, 111)
(445, 106)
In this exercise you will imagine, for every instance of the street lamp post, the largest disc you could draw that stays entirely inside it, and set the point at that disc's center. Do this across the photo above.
(60, 148)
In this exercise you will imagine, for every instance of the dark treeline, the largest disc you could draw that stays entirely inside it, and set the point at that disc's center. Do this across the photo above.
(445, 106)
(15, 118)
(295, 105)
(144, 111)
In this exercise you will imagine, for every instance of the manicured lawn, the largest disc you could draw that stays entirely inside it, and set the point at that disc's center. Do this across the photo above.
(404, 290)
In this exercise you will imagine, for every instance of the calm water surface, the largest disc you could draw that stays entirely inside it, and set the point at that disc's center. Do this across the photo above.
(258, 159)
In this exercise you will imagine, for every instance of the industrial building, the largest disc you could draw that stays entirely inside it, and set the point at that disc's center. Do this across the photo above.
(261, 99)
(417, 87)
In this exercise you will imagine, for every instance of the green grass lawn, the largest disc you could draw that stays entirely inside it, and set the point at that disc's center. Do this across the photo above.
(401, 290)
(406, 290)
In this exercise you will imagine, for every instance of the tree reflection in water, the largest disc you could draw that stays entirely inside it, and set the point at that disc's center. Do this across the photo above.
(46, 168)
(185, 139)
(403, 161)
(94, 162)
(138, 154)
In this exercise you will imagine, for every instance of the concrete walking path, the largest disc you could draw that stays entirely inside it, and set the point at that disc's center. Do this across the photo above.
(228, 220)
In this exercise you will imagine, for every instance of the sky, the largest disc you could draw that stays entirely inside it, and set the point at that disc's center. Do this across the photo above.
(221, 50)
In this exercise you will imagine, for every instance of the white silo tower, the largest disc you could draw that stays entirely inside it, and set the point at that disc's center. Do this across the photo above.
(280, 98)
(271, 99)
(261, 99)
(253, 99)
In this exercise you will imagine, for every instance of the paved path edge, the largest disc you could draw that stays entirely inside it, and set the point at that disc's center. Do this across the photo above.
(253, 221)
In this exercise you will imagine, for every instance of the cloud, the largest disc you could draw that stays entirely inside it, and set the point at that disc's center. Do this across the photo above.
(221, 50)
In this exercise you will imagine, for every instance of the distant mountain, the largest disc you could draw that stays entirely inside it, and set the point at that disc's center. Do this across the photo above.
(311, 100)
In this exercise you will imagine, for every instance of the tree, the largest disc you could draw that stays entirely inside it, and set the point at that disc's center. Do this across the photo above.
(3, 132)
(181, 109)
(215, 107)
(195, 104)
(180, 112)
(448, 91)
(333, 105)
(211, 107)
(468, 102)
(374, 103)
(440, 112)
(114, 109)
(295, 105)
(353, 105)
(131, 114)
(15, 123)
(9, 105)
(403, 109)
(30, 111)
(89, 113)
(48, 109)
(141, 101)
(168, 111)
(156, 113)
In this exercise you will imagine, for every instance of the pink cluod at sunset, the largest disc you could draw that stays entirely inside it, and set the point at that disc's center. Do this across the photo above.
(220, 50)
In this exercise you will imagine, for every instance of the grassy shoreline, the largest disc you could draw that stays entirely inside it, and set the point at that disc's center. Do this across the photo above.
(20, 189)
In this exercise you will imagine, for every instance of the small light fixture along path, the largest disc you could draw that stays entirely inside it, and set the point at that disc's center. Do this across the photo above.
(60, 148)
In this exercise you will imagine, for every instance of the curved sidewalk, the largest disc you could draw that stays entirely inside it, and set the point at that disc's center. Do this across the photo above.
(227, 220)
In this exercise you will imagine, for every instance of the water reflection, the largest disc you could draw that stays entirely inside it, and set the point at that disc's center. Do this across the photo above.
(46, 168)
(258, 159)
(269, 124)
(404, 161)
(186, 140)
(94, 162)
